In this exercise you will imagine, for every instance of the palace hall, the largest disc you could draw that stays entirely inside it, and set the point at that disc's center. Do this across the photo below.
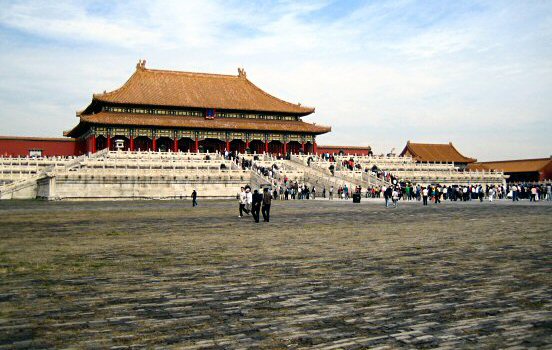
(163, 110)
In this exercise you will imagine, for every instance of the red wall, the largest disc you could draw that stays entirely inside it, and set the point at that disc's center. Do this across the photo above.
(364, 151)
(20, 146)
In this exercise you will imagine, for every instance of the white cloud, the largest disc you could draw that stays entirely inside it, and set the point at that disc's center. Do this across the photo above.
(67, 21)
(380, 74)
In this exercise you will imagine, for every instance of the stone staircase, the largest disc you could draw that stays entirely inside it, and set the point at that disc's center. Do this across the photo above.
(323, 177)
(317, 177)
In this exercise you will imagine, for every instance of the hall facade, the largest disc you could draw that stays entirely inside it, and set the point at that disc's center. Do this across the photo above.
(161, 110)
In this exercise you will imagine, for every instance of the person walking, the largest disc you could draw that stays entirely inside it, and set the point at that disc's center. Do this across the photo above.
(256, 205)
(387, 194)
(437, 194)
(267, 201)
(346, 192)
(331, 193)
(242, 200)
(491, 194)
(194, 198)
(395, 197)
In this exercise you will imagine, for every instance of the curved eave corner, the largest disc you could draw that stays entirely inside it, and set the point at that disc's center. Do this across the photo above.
(468, 159)
(324, 130)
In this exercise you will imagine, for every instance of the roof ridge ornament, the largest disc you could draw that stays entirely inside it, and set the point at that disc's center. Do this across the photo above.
(141, 64)
(242, 73)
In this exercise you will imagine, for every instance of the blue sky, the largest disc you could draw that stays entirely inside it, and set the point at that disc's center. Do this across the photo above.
(477, 73)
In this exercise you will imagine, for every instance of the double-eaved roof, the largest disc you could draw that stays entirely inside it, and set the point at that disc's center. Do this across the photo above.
(435, 152)
(167, 89)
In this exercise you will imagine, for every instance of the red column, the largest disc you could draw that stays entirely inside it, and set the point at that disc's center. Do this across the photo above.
(132, 144)
(175, 145)
(285, 147)
(109, 142)
(228, 145)
(266, 146)
(303, 146)
(196, 145)
(314, 148)
(154, 144)
(93, 144)
(246, 144)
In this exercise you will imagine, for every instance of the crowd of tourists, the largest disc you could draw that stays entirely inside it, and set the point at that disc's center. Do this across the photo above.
(292, 190)
(438, 193)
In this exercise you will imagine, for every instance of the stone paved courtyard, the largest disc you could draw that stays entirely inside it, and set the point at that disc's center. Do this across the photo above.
(323, 275)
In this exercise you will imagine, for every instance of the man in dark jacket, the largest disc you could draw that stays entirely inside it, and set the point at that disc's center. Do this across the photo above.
(194, 198)
(256, 205)
(267, 200)
(387, 195)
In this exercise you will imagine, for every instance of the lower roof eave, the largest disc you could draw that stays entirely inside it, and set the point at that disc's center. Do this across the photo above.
(127, 120)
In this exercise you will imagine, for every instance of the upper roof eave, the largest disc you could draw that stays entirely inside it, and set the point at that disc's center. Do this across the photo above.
(153, 87)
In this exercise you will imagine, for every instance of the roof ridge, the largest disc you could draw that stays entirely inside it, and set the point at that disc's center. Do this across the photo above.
(177, 72)
(428, 143)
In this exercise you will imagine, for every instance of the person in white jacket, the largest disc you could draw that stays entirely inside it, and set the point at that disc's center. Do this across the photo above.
(491, 194)
(242, 200)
